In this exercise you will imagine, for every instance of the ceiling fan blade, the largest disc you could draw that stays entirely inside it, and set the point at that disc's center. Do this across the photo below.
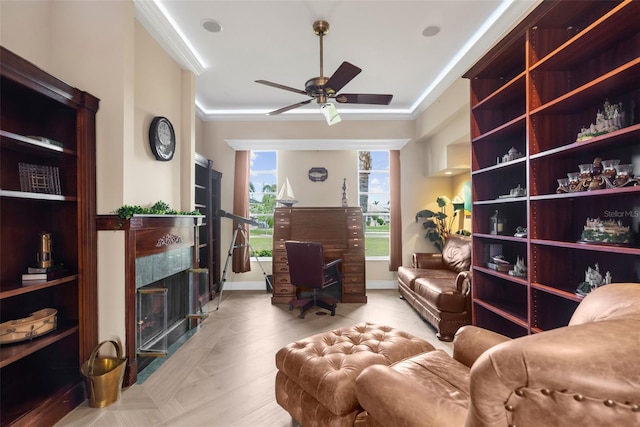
(290, 107)
(363, 98)
(279, 86)
(343, 75)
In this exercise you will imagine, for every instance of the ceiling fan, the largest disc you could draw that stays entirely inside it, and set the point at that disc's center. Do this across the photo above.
(322, 88)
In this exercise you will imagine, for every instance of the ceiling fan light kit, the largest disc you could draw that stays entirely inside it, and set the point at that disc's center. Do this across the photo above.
(330, 113)
(323, 89)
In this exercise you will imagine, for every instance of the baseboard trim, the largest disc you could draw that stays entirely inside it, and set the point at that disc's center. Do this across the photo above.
(261, 286)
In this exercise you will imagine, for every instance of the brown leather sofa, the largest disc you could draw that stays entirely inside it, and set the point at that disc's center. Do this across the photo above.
(583, 374)
(438, 286)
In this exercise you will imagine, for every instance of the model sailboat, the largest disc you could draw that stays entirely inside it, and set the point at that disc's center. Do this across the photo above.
(285, 195)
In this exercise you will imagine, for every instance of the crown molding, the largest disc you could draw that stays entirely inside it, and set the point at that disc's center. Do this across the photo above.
(155, 21)
(316, 144)
(301, 115)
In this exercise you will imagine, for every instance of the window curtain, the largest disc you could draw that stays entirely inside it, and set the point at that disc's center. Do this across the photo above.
(240, 260)
(395, 213)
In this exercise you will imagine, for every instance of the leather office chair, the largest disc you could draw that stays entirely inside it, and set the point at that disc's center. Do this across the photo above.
(308, 270)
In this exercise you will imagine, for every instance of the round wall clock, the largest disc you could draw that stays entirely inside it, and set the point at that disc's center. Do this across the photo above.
(162, 139)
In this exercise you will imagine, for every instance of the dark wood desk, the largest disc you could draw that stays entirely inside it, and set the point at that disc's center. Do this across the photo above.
(340, 230)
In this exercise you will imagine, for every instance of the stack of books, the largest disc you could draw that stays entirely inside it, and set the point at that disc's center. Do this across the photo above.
(44, 273)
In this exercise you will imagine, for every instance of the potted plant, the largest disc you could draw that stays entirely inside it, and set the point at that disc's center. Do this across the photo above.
(438, 224)
(125, 212)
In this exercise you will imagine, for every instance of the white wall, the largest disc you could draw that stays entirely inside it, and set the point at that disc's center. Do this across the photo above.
(444, 129)
(295, 165)
(98, 47)
(157, 92)
(14, 17)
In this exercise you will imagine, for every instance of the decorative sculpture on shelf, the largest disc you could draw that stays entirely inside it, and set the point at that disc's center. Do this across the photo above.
(606, 232)
(511, 155)
(519, 269)
(601, 174)
(497, 223)
(345, 202)
(609, 119)
(520, 231)
(592, 279)
(519, 191)
(286, 196)
(44, 251)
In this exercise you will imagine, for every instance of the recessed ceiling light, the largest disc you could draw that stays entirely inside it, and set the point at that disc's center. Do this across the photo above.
(212, 25)
(448, 173)
(431, 31)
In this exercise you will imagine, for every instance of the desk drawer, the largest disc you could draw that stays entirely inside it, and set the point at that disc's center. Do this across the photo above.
(353, 289)
(351, 279)
(281, 232)
(355, 243)
(281, 279)
(282, 213)
(353, 257)
(279, 256)
(354, 225)
(281, 222)
(281, 218)
(354, 233)
(350, 269)
(285, 290)
(280, 268)
(326, 247)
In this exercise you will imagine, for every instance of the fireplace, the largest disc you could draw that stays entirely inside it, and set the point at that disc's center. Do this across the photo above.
(164, 289)
(161, 307)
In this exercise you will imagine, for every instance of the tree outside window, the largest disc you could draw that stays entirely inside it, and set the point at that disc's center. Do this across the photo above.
(374, 197)
(263, 188)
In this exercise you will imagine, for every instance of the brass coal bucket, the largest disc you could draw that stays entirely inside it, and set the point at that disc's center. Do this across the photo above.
(104, 376)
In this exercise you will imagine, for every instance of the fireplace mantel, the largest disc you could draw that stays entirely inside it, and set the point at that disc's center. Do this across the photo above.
(148, 235)
(140, 222)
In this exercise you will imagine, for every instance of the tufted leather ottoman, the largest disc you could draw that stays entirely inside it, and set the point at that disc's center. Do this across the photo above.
(316, 376)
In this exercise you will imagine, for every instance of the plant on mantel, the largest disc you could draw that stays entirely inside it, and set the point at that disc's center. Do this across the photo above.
(437, 226)
(125, 212)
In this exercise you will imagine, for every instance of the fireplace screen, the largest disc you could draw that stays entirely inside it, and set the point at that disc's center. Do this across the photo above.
(151, 328)
(162, 308)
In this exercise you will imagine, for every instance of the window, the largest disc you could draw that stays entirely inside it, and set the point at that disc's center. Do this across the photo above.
(373, 196)
(263, 181)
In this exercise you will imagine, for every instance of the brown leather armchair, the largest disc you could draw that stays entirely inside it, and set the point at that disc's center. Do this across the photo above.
(583, 374)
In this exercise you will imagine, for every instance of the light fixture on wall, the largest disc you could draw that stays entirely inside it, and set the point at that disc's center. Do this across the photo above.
(459, 210)
(458, 203)
(330, 113)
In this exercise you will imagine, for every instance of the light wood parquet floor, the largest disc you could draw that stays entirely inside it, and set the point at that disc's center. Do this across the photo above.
(224, 375)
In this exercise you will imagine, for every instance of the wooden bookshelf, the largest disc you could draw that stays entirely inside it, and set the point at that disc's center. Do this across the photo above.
(534, 91)
(41, 379)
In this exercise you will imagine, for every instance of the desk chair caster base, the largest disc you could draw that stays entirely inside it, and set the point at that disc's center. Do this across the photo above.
(310, 304)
